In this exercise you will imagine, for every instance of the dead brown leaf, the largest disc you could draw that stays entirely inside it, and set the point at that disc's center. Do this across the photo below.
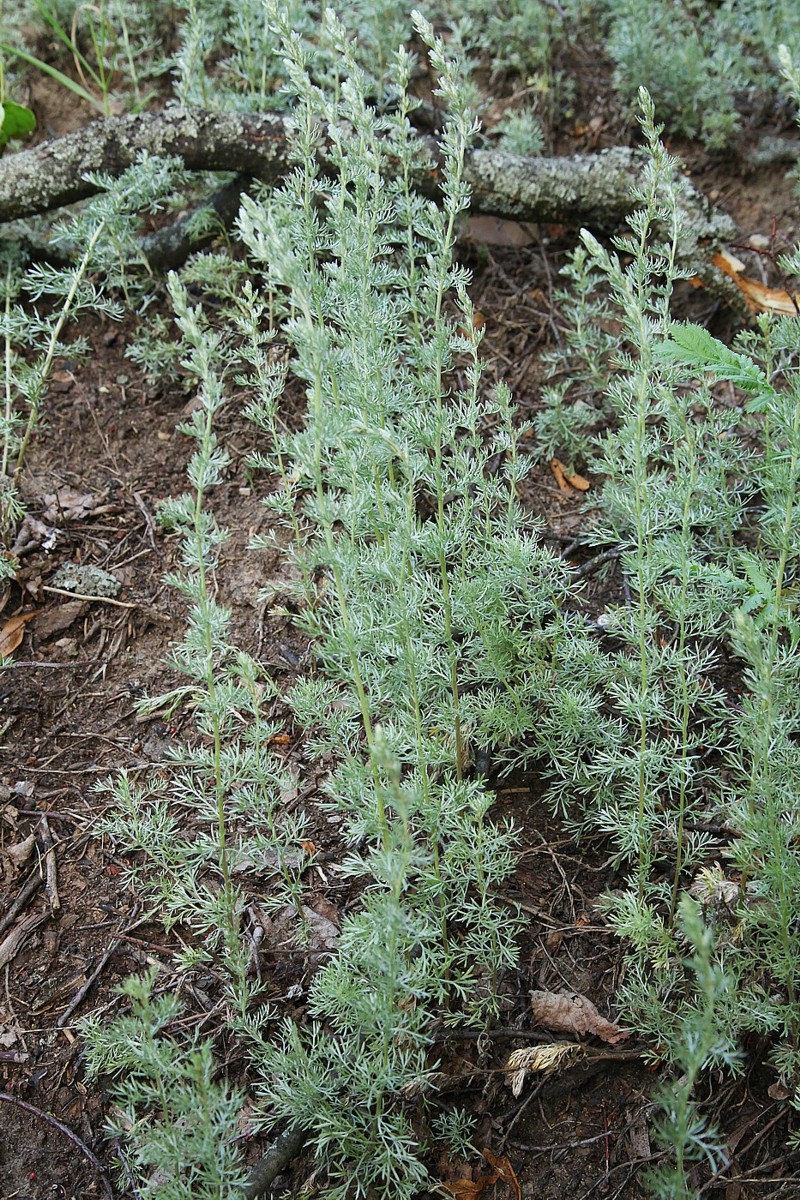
(323, 934)
(20, 852)
(579, 482)
(554, 940)
(56, 620)
(289, 786)
(504, 1171)
(496, 231)
(572, 1013)
(328, 910)
(67, 505)
(757, 296)
(31, 535)
(13, 632)
(558, 471)
(468, 1189)
(566, 480)
(638, 1136)
(9, 1031)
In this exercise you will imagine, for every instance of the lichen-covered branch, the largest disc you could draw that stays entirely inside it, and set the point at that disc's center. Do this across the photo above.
(54, 173)
(583, 189)
(275, 1161)
(592, 190)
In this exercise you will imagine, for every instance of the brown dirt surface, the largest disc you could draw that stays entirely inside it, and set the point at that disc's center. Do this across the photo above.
(69, 720)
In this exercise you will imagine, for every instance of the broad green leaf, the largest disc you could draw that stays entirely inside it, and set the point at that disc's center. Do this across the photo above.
(16, 121)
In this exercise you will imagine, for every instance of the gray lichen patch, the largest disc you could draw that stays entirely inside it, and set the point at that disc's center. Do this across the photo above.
(86, 581)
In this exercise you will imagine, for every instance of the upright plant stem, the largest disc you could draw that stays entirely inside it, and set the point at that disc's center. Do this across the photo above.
(52, 346)
(9, 410)
(440, 491)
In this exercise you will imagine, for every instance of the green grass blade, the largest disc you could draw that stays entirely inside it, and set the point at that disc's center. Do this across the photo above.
(50, 19)
(54, 73)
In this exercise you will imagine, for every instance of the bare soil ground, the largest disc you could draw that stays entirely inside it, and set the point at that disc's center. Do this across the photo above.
(69, 720)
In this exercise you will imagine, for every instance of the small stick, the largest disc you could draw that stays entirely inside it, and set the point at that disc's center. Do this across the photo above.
(83, 596)
(145, 945)
(50, 869)
(456, 1034)
(128, 1172)
(29, 889)
(79, 995)
(626, 588)
(599, 559)
(73, 1137)
(24, 1055)
(285, 1147)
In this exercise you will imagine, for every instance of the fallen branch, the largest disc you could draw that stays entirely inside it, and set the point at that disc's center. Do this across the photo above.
(581, 189)
(588, 568)
(285, 1147)
(53, 173)
(168, 248)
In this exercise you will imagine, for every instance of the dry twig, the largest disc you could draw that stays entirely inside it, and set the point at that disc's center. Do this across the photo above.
(29, 889)
(50, 868)
(81, 993)
(62, 1128)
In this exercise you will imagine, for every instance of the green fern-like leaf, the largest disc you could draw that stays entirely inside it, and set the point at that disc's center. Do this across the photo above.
(693, 346)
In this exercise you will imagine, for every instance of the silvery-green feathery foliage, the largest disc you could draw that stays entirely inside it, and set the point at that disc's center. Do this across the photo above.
(699, 61)
(681, 1130)
(116, 45)
(435, 625)
(521, 133)
(661, 752)
(179, 1124)
(224, 811)
(574, 405)
(243, 43)
(763, 757)
(630, 745)
(703, 65)
(441, 628)
(433, 610)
